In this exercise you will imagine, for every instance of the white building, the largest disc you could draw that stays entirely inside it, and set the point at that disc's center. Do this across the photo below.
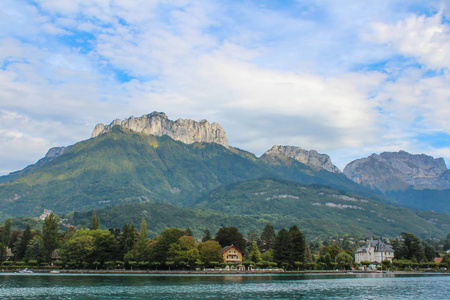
(46, 213)
(374, 251)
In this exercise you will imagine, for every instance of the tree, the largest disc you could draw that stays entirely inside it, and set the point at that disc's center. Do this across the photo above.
(430, 253)
(227, 236)
(22, 243)
(167, 237)
(206, 235)
(79, 248)
(210, 251)
(281, 247)
(95, 222)
(143, 231)
(105, 246)
(254, 254)
(344, 260)
(296, 249)
(267, 239)
(50, 236)
(188, 231)
(6, 233)
(412, 246)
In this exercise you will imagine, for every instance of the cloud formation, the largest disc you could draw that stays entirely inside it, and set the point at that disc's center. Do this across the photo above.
(346, 80)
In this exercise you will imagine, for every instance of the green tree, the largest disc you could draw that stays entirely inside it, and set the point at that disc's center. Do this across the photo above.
(413, 246)
(210, 252)
(281, 247)
(95, 222)
(22, 243)
(6, 233)
(50, 237)
(78, 249)
(143, 231)
(296, 248)
(430, 253)
(344, 260)
(206, 235)
(105, 246)
(267, 239)
(254, 254)
(167, 237)
(227, 236)
(188, 232)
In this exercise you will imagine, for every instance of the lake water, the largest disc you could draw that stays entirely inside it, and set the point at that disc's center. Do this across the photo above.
(339, 286)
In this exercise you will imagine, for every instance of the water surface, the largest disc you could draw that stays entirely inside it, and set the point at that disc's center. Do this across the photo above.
(148, 286)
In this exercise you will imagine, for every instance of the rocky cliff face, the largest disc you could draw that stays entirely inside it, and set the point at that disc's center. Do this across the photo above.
(311, 158)
(158, 124)
(398, 170)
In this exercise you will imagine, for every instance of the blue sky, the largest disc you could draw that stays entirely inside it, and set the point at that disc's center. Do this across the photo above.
(346, 78)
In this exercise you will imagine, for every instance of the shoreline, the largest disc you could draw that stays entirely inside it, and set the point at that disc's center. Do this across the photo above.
(220, 272)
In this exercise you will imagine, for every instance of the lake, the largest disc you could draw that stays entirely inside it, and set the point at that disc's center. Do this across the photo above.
(149, 286)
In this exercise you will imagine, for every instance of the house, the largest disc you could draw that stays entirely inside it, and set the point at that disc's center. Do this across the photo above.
(9, 253)
(231, 254)
(46, 213)
(438, 260)
(374, 251)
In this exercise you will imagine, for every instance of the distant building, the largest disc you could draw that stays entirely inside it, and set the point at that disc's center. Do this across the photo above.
(46, 213)
(438, 260)
(374, 251)
(231, 254)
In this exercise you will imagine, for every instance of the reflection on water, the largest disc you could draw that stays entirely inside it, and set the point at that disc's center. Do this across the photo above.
(99, 286)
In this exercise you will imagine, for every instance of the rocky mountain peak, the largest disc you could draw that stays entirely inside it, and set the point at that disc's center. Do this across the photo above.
(311, 158)
(397, 170)
(158, 124)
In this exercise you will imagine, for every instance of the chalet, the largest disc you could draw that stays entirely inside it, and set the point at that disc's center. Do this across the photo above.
(231, 254)
(374, 251)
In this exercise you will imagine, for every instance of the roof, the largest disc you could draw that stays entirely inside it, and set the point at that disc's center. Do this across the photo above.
(229, 247)
(438, 259)
(378, 245)
(8, 252)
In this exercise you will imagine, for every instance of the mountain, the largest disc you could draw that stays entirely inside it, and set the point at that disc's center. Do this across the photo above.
(51, 154)
(158, 124)
(139, 161)
(399, 170)
(318, 210)
(310, 158)
(122, 166)
(417, 181)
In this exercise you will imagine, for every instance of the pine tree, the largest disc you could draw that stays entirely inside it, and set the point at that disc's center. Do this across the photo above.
(188, 231)
(50, 237)
(267, 239)
(143, 231)
(206, 236)
(95, 222)
(6, 233)
(22, 243)
(281, 247)
(296, 245)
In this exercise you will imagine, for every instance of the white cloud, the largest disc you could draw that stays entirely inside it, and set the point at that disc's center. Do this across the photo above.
(425, 38)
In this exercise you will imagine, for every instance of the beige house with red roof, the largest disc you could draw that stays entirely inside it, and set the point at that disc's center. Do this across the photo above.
(231, 254)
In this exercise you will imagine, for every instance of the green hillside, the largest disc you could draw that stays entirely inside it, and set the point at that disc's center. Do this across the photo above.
(318, 210)
(125, 167)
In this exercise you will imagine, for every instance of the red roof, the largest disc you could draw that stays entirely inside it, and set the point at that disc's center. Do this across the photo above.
(438, 259)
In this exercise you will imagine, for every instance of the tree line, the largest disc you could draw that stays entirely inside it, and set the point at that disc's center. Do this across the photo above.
(174, 248)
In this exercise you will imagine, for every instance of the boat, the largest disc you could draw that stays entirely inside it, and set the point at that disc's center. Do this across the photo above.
(25, 271)
(54, 272)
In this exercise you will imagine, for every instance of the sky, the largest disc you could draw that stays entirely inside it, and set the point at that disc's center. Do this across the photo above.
(346, 78)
